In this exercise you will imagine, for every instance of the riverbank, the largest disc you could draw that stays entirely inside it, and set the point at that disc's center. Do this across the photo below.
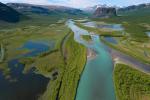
(2, 53)
(91, 54)
(131, 84)
(119, 57)
(96, 81)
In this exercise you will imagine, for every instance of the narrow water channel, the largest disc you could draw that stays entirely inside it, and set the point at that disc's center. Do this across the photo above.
(96, 82)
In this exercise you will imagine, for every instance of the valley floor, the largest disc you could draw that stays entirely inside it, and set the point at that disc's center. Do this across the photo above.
(44, 54)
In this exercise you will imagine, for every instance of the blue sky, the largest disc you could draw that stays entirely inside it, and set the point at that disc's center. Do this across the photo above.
(80, 3)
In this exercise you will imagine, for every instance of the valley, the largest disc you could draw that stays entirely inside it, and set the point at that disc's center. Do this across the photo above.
(63, 53)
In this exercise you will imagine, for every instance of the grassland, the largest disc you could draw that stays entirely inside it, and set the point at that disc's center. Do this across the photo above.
(100, 31)
(131, 84)
(64, 88)
(135, 24)
(132, 22)
(86, 37)
(129, 49)
(15, 37)
(2, 53)
(66, 59)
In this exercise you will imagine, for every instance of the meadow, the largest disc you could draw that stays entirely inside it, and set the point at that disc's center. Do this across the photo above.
(64, 88)
(63, 63)
(131, 84)
(135, 24)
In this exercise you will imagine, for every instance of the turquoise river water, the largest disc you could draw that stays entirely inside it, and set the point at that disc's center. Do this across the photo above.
(96, 82)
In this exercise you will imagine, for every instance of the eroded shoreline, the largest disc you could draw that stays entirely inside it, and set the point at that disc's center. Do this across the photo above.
(119, 57)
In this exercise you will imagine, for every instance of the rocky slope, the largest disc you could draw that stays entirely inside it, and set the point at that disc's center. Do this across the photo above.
(8, 14)
(105, 12)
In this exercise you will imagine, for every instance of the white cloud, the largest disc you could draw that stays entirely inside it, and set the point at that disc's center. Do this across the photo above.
(71, 3)
(80, 3)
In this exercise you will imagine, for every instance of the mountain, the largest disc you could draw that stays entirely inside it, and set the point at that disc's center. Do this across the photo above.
(44, 9)
(63, 9)
(135, 7)
(105, 12)
(23, 8)
(93, 8)
(8, 14)
(90, 9)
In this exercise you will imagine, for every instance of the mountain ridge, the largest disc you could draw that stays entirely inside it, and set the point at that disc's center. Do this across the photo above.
(44, 9)
(9, 14)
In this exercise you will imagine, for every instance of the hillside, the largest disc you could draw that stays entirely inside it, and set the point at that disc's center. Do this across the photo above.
(8, 14)
(135, 7)
(45, 9)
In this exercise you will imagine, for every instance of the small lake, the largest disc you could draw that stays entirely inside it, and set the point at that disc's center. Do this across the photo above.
(115, 27)
(148, 33)
(96, 82)
(111, 40)
(22, 86)
(35, 48)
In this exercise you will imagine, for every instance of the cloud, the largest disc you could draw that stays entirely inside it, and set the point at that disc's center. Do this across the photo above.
(80, 3)
(71, 3)
(27, 1)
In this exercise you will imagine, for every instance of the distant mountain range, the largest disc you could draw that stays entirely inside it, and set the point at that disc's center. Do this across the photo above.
(94, 8)
(13, 12)
(22, 8)
(129, 8)
(9, 14)
(105, 12)
(134, 7)
(44, 9)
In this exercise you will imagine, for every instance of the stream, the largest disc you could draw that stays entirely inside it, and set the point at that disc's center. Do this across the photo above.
(96, 82)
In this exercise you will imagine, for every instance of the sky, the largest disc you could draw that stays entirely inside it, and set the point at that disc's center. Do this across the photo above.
(80, 3)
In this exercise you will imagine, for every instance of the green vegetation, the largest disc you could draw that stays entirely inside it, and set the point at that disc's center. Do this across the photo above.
(67, 58)
(2, 53)
(101, 31)
(131, 84)
(126, 43)
(40, 29)
(76, 59)
(86, 37)
(64, 88)
(135, 23)
(129, 49)
(132, 22)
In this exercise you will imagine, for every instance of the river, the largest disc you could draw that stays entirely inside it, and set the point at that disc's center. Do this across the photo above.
(96, 82)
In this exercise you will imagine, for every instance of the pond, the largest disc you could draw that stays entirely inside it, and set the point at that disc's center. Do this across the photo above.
(111, 40)
(115, 27)
(148, 33)
(20, 86)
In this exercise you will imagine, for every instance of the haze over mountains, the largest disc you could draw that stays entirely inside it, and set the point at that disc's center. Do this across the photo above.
(128, 8)
(44, 9)
(135, 7)
(17, 10)
(8, 14)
